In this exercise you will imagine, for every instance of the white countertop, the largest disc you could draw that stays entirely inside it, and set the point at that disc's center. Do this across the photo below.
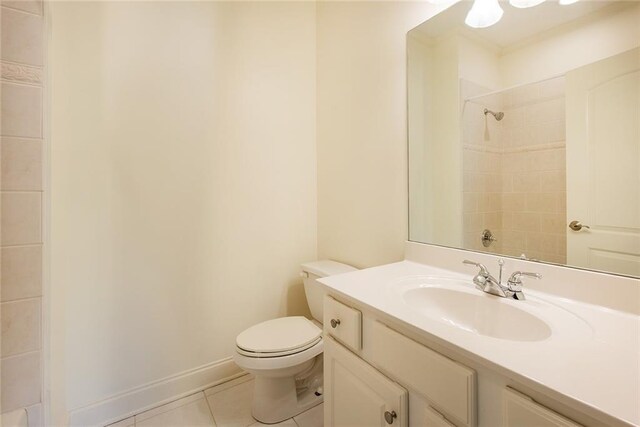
(594, 360)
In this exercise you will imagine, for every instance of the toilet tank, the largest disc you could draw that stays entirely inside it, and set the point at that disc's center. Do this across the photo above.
(312, 289)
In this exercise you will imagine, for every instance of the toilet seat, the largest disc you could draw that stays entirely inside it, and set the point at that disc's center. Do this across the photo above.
(278, 343)
(266, 364)
(278, 353)
(278, 337)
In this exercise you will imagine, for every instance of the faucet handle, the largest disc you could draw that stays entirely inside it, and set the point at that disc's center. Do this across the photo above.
(515, 279)
(483, 269)
(480, 279)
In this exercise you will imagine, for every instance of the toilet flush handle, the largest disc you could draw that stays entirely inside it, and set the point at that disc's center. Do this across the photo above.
(335, 323)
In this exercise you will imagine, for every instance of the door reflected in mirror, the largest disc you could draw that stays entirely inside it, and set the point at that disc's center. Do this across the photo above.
(524, 137)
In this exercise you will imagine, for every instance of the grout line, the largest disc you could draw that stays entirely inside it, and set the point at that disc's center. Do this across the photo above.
(13, 356)
(21, 299)
(21, 83)
(39, 350)
(213, 418)
(21, 64)
(30, 138)
(26, 245)
(20, 191)
(23, 11)
(18, 245)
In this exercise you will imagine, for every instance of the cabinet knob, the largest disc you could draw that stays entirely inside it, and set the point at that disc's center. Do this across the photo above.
(390, 416)
(335, 323)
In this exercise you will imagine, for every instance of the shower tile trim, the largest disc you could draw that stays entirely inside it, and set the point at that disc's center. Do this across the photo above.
(22, 73)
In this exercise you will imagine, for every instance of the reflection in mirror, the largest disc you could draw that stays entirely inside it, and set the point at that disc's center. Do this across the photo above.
(524, 137)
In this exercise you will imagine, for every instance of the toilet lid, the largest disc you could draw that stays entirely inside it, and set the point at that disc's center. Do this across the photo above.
(282, 335)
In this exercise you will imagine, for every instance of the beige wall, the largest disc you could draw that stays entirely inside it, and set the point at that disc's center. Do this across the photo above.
(183, 184)
(362, 164)
(22, 62)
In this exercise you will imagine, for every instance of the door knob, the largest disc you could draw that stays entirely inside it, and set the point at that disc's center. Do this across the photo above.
(577, 225)
(335, 323)
(390, 416)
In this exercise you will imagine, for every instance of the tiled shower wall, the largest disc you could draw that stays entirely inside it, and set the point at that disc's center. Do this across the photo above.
(482, 170)
(21, 121)
(515, 170)
(534, 172)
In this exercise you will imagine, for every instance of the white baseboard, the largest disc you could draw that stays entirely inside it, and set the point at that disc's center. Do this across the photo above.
(139, 399)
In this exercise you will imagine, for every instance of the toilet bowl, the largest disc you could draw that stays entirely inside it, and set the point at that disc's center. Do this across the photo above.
(285, 354)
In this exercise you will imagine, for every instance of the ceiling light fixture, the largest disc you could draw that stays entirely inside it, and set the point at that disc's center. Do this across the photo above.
(484, 13)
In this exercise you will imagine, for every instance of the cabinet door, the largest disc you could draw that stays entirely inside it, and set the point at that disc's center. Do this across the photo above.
(433, 418)
(522, 411)
(357, 395)
(449, 386)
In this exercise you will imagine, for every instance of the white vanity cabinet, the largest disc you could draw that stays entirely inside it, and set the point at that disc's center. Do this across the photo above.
(377, 376)
(433, 418)
(522, 411)
(357, 395)
(447, 385)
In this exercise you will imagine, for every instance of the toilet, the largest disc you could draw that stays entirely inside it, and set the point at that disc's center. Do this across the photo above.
(285, 354)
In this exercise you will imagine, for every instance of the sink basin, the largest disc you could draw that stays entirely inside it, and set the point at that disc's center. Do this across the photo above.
(477, 312)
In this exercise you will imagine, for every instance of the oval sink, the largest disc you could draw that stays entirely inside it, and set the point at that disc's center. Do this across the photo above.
(478, 313)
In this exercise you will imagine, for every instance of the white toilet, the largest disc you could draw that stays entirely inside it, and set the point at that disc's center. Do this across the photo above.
(285, 354)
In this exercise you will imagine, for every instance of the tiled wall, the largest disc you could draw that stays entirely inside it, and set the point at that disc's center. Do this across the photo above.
(534, 172)
(515, 172)
(482, 170)
(21, 99)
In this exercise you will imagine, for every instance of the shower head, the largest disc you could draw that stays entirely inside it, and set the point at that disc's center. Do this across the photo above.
(498, 116)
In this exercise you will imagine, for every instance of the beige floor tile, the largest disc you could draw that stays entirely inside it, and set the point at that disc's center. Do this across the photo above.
(313, 417)
(220, 387)
(232, 407)
(193, 414)
(168, 407)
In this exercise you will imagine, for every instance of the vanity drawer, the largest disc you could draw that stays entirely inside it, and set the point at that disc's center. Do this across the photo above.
(343, 323)
(519, 410)
(449, 386)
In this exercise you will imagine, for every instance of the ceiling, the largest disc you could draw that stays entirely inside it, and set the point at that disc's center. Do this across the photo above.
(516, 25)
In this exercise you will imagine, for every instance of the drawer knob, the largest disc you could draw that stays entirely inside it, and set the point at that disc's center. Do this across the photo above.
(335, 323)
(390, 416)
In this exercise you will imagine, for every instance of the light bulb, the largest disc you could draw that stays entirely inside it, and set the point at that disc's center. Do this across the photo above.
(566, 2)
(522, 4)
(484, 13)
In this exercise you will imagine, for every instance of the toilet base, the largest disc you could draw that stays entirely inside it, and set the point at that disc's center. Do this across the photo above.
(278, 399)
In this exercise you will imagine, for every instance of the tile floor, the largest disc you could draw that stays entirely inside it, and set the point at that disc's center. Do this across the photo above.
(225, 405)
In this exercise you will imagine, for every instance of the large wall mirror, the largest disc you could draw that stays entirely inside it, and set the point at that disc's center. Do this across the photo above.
(524, 137)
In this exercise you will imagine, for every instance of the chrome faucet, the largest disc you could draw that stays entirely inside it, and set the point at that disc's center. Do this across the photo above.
(489, 284)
